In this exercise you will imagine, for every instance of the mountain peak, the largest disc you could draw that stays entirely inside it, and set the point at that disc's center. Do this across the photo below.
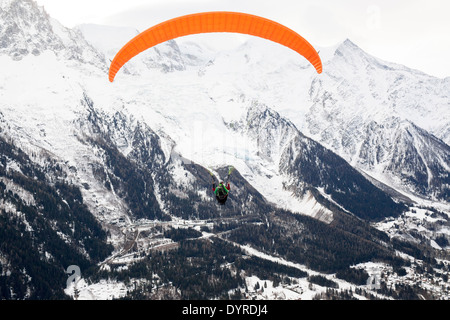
(347, 42)
(349, 47)
(356, 56)
(18, 7)
(26, 28)
(338, 49)
(4, 4)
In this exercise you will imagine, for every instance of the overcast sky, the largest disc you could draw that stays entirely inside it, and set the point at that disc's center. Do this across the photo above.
(415, 33)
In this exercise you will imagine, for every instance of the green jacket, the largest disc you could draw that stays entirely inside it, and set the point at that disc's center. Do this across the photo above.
(221, 186)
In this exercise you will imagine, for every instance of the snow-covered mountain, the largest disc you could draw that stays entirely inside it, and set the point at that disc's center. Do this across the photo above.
(361, 107)
(361, 142)
(388, 120)
(27, 29)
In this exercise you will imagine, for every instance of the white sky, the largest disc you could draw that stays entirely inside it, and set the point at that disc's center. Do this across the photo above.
(415, 33)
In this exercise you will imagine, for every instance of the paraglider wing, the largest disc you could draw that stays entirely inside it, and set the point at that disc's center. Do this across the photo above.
(215, 22)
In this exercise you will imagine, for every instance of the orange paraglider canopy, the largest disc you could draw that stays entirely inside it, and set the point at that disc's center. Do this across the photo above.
(215, 22)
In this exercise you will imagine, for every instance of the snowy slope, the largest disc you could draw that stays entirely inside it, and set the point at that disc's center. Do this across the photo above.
(193, 95)
(357, 108)
(363, 109)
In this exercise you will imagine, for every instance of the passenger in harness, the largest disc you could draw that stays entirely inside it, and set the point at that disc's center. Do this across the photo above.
(221, 192)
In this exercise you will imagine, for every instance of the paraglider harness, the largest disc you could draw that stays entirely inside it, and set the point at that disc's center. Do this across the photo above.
(222, 190)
